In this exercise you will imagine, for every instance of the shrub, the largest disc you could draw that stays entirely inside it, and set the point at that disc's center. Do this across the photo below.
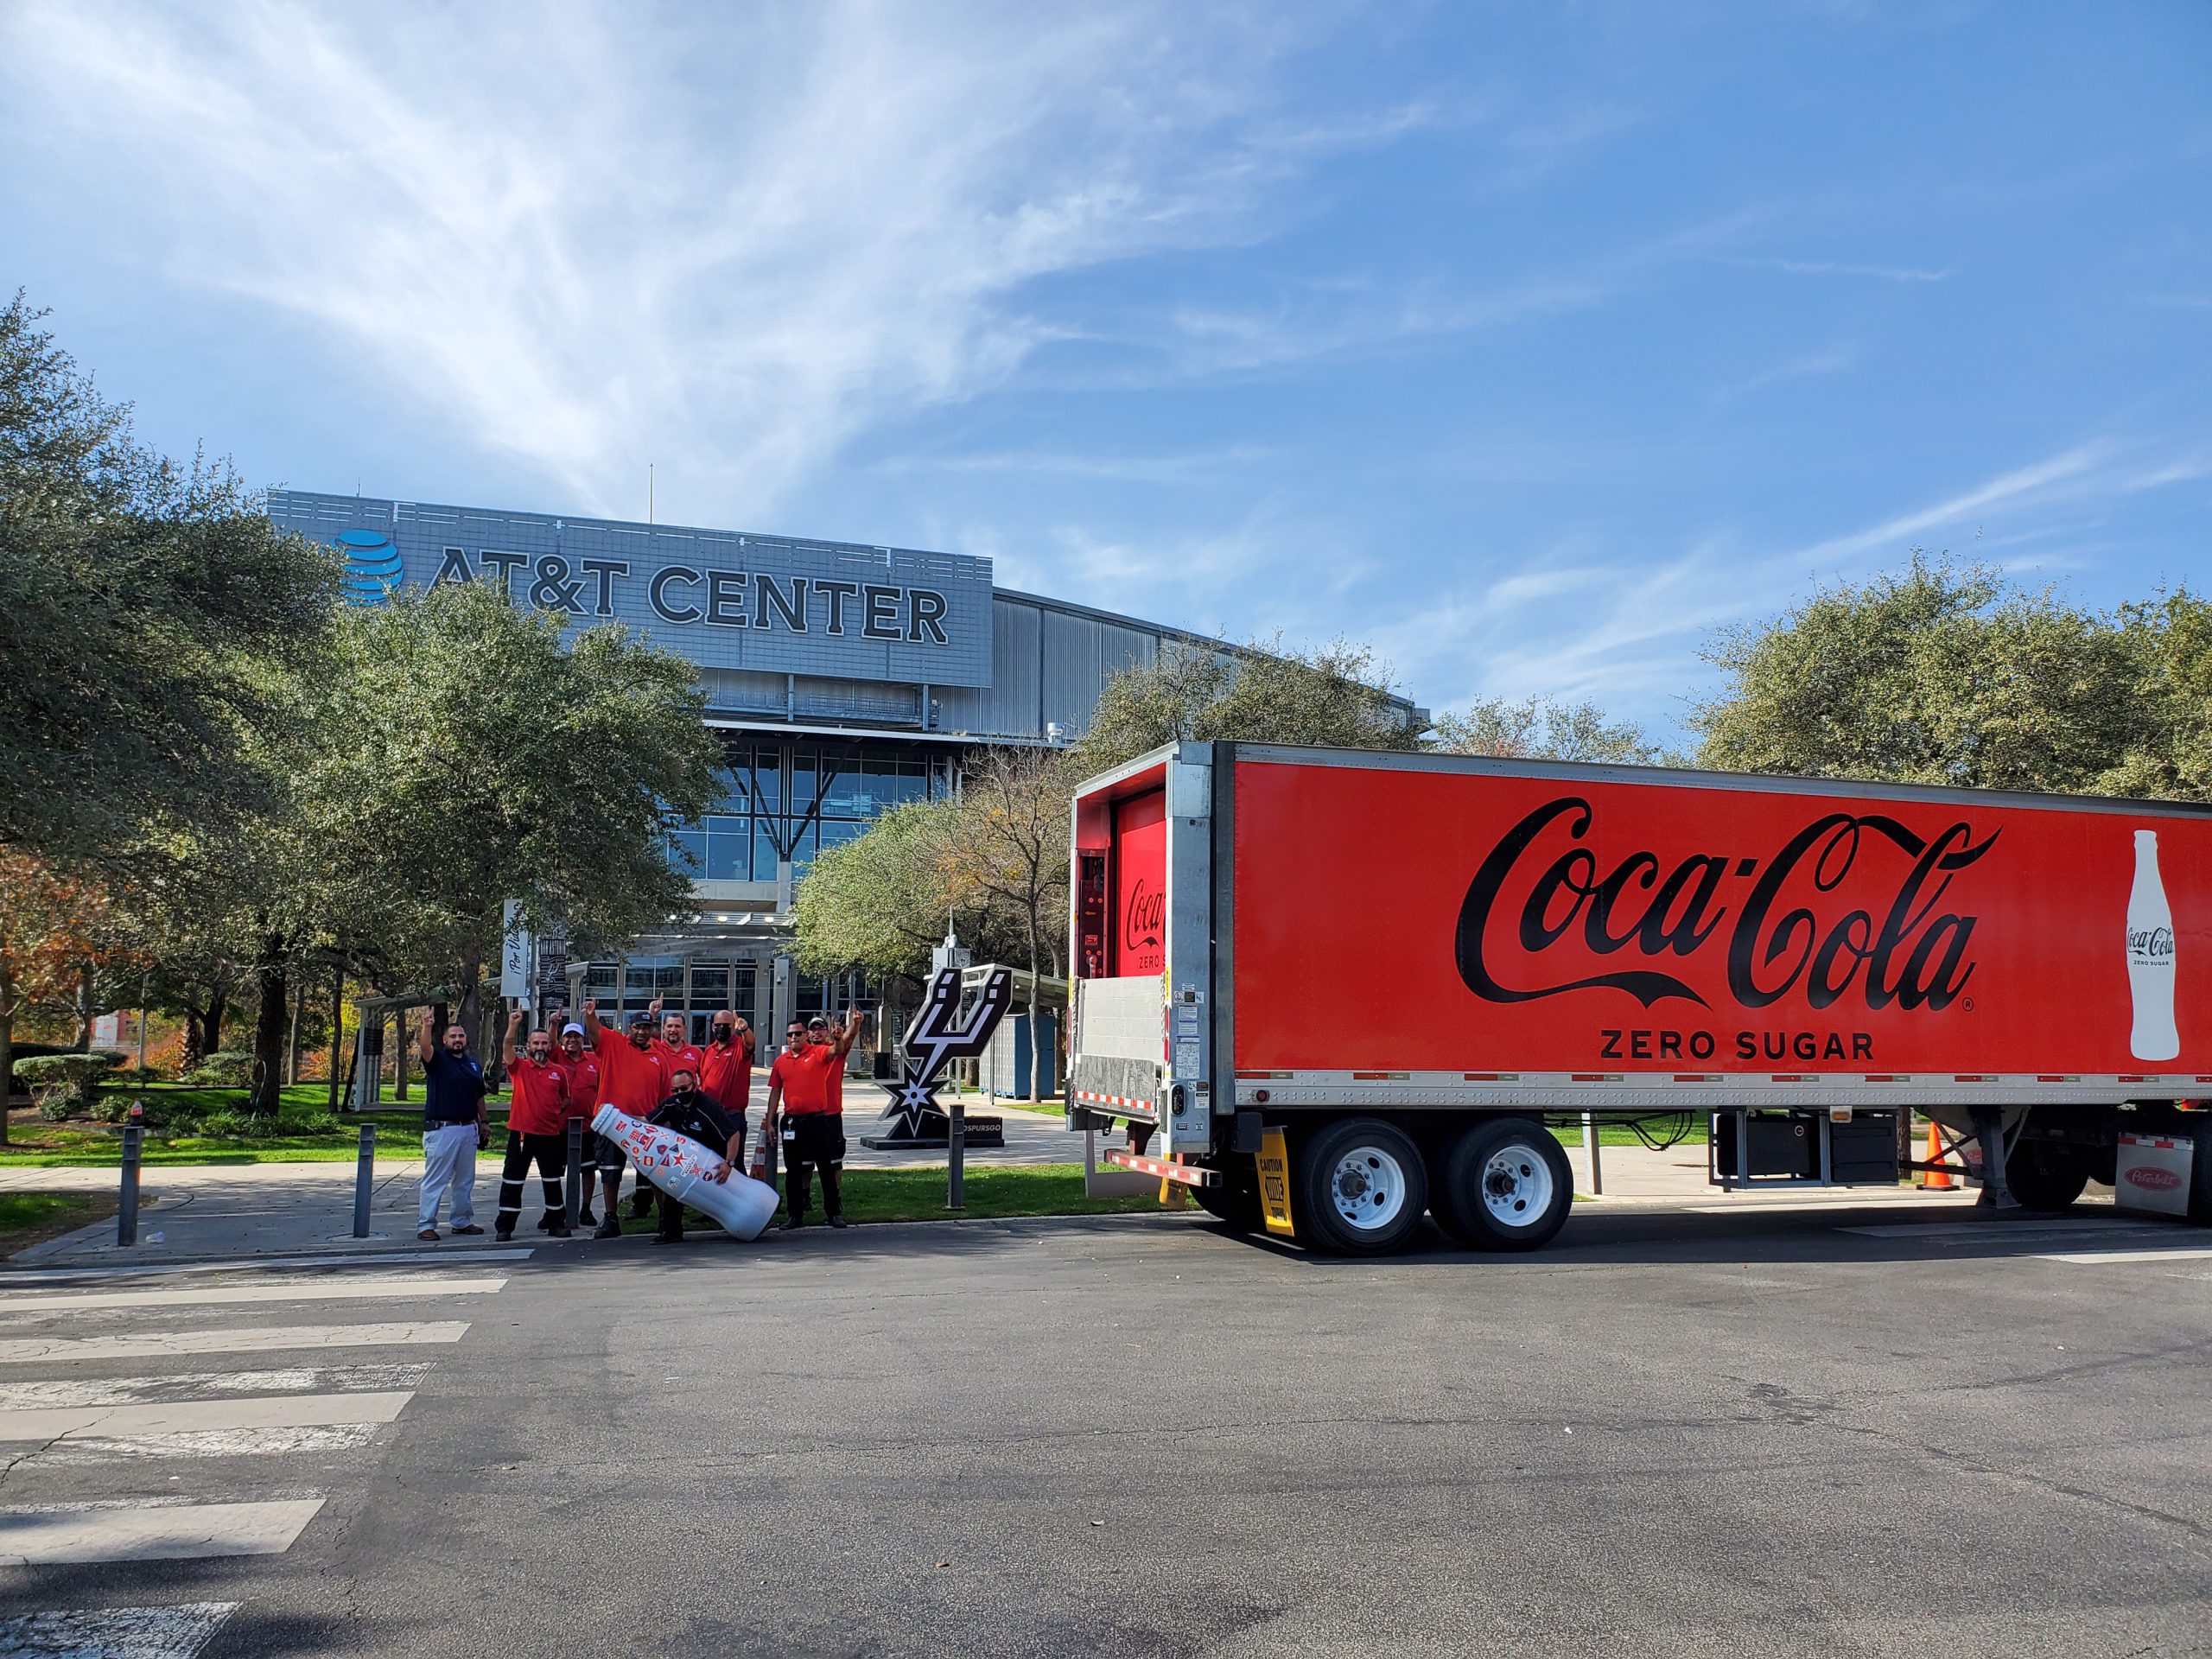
(224, 1123)
(227, 1068)
(72, 1077)
(139, 1074)
(56, 1102)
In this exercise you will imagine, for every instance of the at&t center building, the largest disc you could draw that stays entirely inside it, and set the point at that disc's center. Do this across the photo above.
(843, 679)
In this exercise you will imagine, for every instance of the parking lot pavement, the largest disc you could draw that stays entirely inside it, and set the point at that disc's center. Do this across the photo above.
(1831, 1432)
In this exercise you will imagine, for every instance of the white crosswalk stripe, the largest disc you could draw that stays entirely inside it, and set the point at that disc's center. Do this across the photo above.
(26, 1351)
(208, 1460)
(176, 1632)
(316, 1290)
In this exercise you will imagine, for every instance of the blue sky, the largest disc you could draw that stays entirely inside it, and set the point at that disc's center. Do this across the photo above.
(1528, 344)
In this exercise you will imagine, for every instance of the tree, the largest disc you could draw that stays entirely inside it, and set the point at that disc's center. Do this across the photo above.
(134, 594)
(51, 926)
(1542, 728)
(1338, 697)
(1010, 850)
(880, 901)
(2171, 760)
(468, 757)
(1940, 674)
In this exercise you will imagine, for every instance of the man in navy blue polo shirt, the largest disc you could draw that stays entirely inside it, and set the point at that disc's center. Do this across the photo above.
(455, 1126)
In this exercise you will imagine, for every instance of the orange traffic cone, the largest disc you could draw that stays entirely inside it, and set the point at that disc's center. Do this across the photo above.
(1939, 1178)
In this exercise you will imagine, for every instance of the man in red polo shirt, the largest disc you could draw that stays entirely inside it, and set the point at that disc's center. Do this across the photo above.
(582, 1072)
(813, 1130)
(726, 1069)
(538, 1131)
(673, 1047)
(632, 1079)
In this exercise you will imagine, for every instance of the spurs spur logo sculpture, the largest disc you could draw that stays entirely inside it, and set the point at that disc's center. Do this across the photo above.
(939, 1034)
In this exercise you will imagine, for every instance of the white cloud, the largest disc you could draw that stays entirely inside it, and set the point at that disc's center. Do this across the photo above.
(1838, 268)
(723, 248)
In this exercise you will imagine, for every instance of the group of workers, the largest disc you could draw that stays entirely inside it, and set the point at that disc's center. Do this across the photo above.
(653, 1071)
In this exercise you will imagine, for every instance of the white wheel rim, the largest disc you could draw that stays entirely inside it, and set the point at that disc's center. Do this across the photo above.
(1368, 1188)
(1517, 1184)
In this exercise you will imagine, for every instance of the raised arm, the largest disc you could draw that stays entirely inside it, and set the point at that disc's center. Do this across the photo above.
(844, 1045)
(426, 1044)
(592, 1027)
(514, 1030)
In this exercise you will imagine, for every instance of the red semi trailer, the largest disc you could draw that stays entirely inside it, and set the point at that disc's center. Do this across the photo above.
(1332, 989)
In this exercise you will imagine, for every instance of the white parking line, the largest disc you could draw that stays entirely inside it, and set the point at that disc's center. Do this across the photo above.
(2090, 1258)
(1989, 1228)
(156, 1532)
(32, 1350)
(186, 1416)
(178, 1632)
(316, 1290)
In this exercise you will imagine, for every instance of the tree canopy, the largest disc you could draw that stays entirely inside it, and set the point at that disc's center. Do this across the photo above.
(134, 595)
(1944, 673)
(1337, 698)
(1543, 729)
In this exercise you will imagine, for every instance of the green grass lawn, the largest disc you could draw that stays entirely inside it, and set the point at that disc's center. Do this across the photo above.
(28, 1218)
(991, 1190)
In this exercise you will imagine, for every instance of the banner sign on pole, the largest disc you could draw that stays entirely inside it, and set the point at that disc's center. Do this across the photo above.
(516, 958)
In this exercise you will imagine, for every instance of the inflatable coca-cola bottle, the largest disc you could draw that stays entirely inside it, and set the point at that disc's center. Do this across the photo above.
(2151, 956)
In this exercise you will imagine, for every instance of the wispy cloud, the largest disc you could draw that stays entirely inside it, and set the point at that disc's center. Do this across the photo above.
(1839, 268)
(1835, 361)
(728, 245)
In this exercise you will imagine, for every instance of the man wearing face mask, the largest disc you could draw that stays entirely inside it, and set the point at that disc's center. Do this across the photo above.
(726, 1066)
(632, 1079)
(696, 1115)
(538, 1131)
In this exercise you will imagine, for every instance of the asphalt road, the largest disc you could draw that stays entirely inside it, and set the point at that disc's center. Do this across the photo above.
(1670, 1434)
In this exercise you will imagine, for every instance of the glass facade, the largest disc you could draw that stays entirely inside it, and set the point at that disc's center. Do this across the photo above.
(787, 800)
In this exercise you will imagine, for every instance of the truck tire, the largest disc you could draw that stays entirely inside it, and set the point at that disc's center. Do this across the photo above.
(1506, 1185)
(2047, 1175)
(1361, 1188)
(1236, 1202)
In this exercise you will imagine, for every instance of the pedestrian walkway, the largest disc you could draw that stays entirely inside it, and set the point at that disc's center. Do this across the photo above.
(119, 1443)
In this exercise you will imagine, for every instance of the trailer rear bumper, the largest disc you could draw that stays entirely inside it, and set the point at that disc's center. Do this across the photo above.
(1166, 1169)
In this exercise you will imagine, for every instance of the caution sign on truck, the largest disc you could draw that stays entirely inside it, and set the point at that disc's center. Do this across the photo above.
(1274, 1182)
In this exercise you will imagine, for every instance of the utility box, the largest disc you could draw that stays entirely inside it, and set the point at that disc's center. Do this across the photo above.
(1021, 1063)
(1781, 1144)
(1864, 1150)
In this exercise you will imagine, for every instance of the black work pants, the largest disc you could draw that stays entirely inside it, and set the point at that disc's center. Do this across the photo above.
(813, 1140)
(551, 1154)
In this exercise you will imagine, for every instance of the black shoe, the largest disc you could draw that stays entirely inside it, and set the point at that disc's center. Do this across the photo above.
(545, 1222)
(556, 1230)
(585, 1218)
(641, 1205)
(609, 1228)
(792, 1223)
(668, 1238)
(837, 1220)
(472, 1231)
(504, 1235)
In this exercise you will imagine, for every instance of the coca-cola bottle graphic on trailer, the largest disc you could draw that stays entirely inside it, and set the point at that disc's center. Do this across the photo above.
(2151, 956)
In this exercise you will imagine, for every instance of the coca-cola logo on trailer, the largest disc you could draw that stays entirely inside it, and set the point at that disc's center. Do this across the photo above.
(1537, 887)
(1143, 917)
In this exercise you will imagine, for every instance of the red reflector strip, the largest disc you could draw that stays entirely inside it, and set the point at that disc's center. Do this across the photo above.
(1378, 1077)
(1508, 1076)
(1889, 1076)
(1794, 1077)
(1167, 1169)
(1698, 1076)
(2053, 1076)
(1594, 1076)
(1973, 1077)
(1269, 1076)
(2125, 1078)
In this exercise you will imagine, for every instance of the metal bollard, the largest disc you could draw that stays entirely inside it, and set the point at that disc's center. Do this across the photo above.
(955, 1165)
(365, 1180)
(134, 1139)
(573, 1188)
